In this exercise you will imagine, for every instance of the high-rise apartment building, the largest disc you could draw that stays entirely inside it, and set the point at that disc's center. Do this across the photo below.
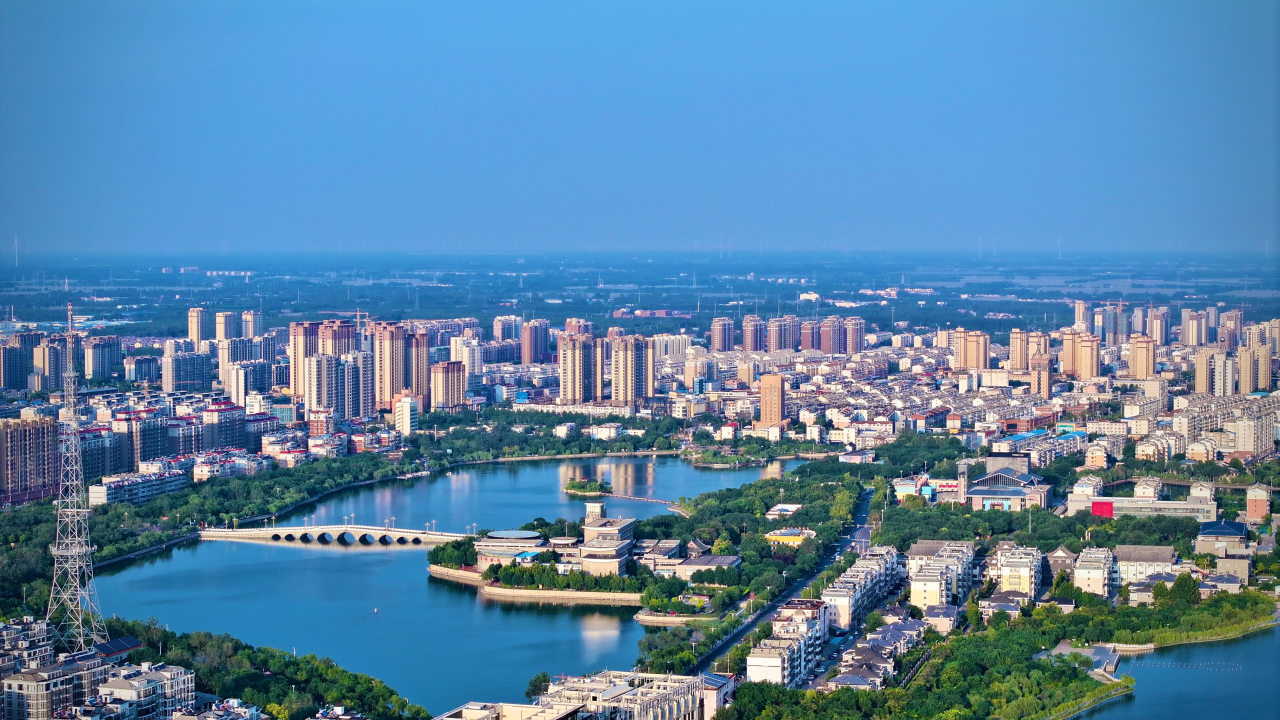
(722, 334)
(1194, 328)
(1041, 369)
(29, 466)
(251, 323)
(321, 391)
(199, 325)
(1019, 350)
(46, 360)
(535, 342)
(1037, 344)
(1231, 327)
(304, 341)
(1224, 375)
(1083, 317)
(231, 351)
(336, 337)
(632, 370)
(1142, 357)
(972, 349)
(1253, 364)
(244, 378)
(142, 368)
(578, 326)
(1088, 356)
(355, 385)
(102, 357)
(226, 325)
(755, 336)
(468, 352)
(186, 372)
(1204, 366)
(777, 335)
(810, 335)
(388, 362)
(577, 369)
(1158, 326)
(831, 336)
(507, 327)
(419, 367)
(142, 434)
(448, 386)
(1067, 355)
(773, 400)
(855, 334)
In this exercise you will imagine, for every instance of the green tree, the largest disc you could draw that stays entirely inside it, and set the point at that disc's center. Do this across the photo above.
(537, 685)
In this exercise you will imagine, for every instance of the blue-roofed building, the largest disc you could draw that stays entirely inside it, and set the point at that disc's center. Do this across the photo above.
(1007, 489)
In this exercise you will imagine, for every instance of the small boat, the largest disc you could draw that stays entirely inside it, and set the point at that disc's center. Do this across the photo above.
(375, 611)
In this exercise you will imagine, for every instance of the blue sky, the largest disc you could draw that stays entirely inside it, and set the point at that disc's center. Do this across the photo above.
(515, 126)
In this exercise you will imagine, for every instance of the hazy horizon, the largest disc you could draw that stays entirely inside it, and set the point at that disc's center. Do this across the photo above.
(505, 128)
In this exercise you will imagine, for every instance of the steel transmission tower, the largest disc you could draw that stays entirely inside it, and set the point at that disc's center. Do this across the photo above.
(73, 605)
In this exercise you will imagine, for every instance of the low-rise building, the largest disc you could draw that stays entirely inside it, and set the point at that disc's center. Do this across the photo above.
(626, 696)
(1095, 571)
(136, 488)
(1138, 562)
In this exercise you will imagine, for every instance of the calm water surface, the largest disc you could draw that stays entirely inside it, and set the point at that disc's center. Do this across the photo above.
(434, 642)
(1221, 681)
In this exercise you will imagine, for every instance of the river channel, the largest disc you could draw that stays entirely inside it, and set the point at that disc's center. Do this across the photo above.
(435, 643)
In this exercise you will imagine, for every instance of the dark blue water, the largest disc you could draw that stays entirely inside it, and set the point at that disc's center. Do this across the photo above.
(434, 642)
(1218, 681)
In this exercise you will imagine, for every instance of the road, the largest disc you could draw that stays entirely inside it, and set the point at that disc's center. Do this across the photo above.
(859, 541)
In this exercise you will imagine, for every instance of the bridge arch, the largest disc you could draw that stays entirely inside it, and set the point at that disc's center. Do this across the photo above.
(366, 539)
(417, 541)
(402, 540)
(275, 536)
(385, 539)
(324, 538)
(306, 537)
(290, 537)
(346, 538)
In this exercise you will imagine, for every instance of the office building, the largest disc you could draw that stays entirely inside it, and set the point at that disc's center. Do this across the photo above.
(251, 324)
(773, 400)
(28, 460)
(577, 369)
(1142, 357)
(507, 327)
(632, 370)
(448, 386)
(721, 334)
(755, 336)
(535, 342)
(102, 357)
(388, 362)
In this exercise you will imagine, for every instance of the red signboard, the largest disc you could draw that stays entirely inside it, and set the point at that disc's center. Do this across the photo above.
(1103, 509)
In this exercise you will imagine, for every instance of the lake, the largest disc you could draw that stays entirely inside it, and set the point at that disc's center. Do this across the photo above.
(1222, 681)
(435, 642)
